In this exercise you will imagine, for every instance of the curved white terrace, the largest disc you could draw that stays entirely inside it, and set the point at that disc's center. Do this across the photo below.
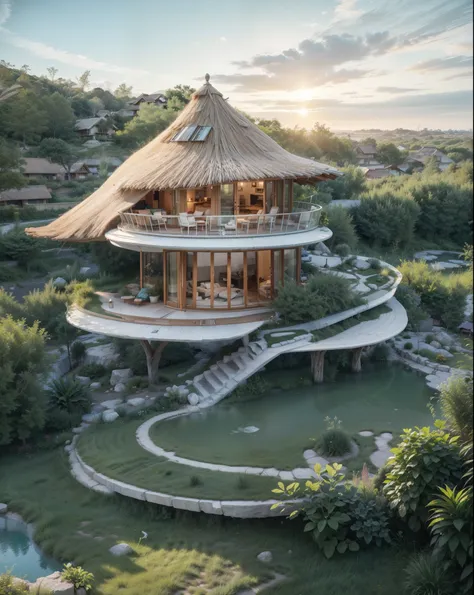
(154, 242)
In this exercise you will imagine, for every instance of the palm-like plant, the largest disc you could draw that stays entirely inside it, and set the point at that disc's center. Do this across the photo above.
(451, 530)
(69, 395)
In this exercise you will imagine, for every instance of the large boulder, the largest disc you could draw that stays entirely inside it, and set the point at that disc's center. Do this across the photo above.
(59, 283)
(120, 376)
(121, 549)
(105, 355)
(83, 380)
(444, 338)
(109, 416)
(53, 584)
(3, 508)
(435, 344)
(265, 557)
(193, 399)
(361, 264)
(120, 387)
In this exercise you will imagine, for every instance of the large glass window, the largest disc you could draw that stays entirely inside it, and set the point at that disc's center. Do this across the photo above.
(153, 272)
(277, 269)
(227, 199)
(287, 196)
(172, 278)
(290, 262)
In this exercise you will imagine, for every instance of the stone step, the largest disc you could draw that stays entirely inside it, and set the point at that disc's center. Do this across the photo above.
(212, 379)
(219, 374)
(255, 348)
(225, 369)
(229, 361)
(200, 389)
(262, 344)
(238, 361)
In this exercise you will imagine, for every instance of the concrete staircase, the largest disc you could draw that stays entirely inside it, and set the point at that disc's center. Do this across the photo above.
(223, 377)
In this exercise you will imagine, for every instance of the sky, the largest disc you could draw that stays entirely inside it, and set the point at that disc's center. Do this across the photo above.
(350, 64)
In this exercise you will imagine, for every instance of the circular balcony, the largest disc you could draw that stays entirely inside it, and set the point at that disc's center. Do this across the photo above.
(220, 232)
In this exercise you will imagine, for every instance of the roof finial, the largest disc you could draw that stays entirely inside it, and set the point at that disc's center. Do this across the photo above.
(207, 77)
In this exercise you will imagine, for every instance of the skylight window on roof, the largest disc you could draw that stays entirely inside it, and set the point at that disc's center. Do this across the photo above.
(192, 134)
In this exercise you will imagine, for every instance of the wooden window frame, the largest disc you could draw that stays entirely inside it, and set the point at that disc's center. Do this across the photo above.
(245, 280)
(229, 279)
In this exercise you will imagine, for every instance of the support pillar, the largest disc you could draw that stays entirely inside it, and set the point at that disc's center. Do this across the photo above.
(153, 357)
(245, 340)
(356, 359)
(317, 366)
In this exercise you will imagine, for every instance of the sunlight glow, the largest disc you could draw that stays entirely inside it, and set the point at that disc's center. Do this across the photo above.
(303, 112)
(304, 94)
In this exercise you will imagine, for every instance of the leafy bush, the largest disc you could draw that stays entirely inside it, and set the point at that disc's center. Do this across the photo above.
(386, 219)
(334, 442)
(423, 460)
(408, 345)
(426, 576)
(92, 370)
(78, 352)
(341, 224)
(375, 264)
(342, 250)
(254, 387)
(339, 517)
(440, 358)
(451, 530)
(457, 406)
(9, 586)
(58, 420)
(429, 338)
(22, 360)
(322, 295)
(69, 395)
(411, 301)
(77, 576)
(379, 353)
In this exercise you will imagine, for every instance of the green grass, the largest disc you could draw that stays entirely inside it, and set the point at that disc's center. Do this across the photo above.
(113, 450)
(335, 329)
(182, 550)
(271, 340)
(464, 361)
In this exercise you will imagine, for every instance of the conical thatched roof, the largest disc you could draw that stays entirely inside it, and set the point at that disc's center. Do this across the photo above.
(235, 150)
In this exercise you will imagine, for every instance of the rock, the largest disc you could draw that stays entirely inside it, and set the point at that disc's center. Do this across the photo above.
(95, 385)
(59, 283)
(361, 264)
(193, 399)
(92, 418)
(85, 271)
(109, 416)
(101, 354)
(111, 403)
(121, 549)
(3, 508)
(366, 433)
(83, 380)
(444, 338)
(426, 326)
(120, 376)
(120, 387)
(81, 591)
(435, 344)
(322, 248)
(265, 557)
(53, 584)
(136, 401)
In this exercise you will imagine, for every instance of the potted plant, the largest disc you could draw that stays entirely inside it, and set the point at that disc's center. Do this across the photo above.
(153, 297)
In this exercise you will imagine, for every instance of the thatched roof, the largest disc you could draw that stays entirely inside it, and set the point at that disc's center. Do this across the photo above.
(235, 150)
(37, 166)
(35, 192)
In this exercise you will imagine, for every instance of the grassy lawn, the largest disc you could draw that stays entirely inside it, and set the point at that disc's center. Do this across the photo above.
(184, 552)
(464, 361)
(272, 340)
(113, 450)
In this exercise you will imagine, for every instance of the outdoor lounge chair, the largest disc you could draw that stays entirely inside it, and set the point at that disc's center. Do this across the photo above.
(187, 222)
(159, 221)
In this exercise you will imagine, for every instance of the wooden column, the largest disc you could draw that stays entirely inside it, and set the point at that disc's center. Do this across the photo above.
(195, 277)
(211, 266)
(141, 269)
(356, 359)
(245, 280)
(317, 366)
(229, 278)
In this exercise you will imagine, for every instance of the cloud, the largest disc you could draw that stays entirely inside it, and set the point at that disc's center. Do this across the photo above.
(346, 10)
(48, 52)
(468, 74)
(222, 38)
(5, 11)
(395, 90)
(443, 64)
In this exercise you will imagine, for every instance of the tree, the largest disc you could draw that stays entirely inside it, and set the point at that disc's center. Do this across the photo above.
(84, 80)
(52, 73)
(22, 360)
(150, 121)
(81, 106)
(182, 92)
(27, 119)
(389, 154)
(96, 105)
(8, 91)
(368, 141)
(10, 164)
(123, 91)
(58, 151)
(61, 116)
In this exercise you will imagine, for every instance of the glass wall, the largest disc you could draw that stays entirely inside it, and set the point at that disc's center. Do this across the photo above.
(290, 264)
(227, 199)
(153, 272)
(172, 278)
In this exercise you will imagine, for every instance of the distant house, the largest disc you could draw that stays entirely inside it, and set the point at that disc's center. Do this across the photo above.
(25, 196)
(366, 156)
(79, 171)
(418, 159)
(94, 164)
(103, 113)
(89, 127)
(375, 174)
(133, 106)
(37, 167)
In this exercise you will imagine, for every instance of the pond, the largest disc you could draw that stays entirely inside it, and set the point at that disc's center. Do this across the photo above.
(275, 429)
(19, 554)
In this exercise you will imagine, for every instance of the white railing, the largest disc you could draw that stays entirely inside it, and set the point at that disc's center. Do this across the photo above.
(304, 216)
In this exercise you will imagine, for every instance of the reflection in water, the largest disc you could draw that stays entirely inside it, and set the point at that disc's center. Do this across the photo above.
(20, 555)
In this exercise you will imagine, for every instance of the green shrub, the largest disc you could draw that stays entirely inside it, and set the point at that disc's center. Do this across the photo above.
(380, 353)
(341, 224)
(440, 358)
(408, 345)
(426, 576)
(342, 250)
(429, 338)
(92, 370)
(451, 529)
(254, 387)
(194, 481)
(411, 301)
(375, 264)
(10, 587)
(334, 443)
(339, 517)
(457, 406)
(77, 576)
(69, 395)
(58, 420)
(423, 460)
(137, 383)
(78, 352)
